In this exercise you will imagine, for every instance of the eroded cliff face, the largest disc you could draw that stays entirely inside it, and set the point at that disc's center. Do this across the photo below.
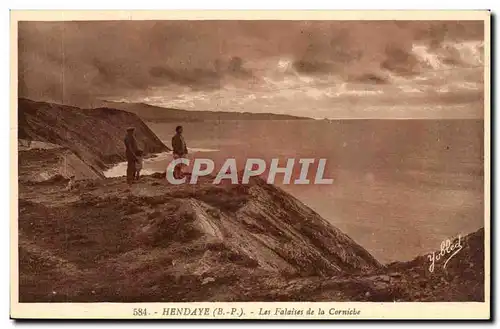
(148, 235)
(93, 135)
(42, 162)
(101, 240)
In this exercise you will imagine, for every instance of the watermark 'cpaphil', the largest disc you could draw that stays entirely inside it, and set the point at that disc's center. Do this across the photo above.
(253, 167)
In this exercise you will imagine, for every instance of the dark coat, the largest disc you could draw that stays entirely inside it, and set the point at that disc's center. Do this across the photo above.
(179, 146)
(130, 147)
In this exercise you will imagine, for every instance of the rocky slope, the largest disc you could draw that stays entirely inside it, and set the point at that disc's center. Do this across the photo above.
(94, 135)
(39, 164)
(101, 240)
(156, 236)
(461, 281)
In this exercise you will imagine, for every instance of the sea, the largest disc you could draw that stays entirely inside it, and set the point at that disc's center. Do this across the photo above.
(400, 187)
(405, 151)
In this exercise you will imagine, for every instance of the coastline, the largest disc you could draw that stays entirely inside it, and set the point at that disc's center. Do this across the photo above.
(119, 169)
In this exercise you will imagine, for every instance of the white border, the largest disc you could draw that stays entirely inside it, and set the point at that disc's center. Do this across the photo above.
(255, 4)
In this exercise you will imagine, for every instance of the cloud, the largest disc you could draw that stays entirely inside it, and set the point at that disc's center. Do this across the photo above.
(73, 62)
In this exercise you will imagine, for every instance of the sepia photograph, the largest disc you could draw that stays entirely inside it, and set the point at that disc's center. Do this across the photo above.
(270, 162)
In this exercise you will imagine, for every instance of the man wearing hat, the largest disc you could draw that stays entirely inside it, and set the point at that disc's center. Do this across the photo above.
(130, 152)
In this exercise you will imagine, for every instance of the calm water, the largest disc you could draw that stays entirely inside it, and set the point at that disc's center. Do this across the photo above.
(400, 186)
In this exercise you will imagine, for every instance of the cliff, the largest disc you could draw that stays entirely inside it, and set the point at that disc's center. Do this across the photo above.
(93, 135)
(163, 114)
(39, 162)
(156, 240)
(103, 241)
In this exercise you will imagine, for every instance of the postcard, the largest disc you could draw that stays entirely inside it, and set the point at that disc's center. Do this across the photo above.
(283, 165)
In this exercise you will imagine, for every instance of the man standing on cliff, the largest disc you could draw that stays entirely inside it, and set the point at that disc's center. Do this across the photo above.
(179, 150)
(130, 152)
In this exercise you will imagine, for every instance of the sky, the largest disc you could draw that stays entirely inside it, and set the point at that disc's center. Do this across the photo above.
(342, 68)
